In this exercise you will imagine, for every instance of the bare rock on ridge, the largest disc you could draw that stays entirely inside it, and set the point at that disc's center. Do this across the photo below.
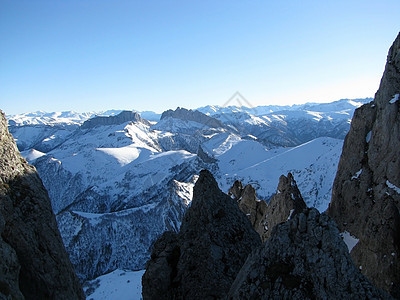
(34, 263)
(203, 259)
(304, 258)
(122, 117)
(283, 205)
(192, 115)
(366, 191)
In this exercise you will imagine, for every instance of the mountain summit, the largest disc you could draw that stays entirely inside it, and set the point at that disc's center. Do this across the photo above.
(192, 115)
(122, 117)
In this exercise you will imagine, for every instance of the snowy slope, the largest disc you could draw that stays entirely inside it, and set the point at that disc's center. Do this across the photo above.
(114, 191)
(313, 165)
(117, 285)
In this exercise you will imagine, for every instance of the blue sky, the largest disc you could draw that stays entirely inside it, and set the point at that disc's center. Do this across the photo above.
(92, 55)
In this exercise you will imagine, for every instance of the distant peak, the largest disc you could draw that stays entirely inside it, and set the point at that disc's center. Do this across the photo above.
(191, 115)
(122, 117)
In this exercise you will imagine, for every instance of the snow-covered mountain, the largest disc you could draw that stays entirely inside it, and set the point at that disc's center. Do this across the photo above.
(276, 126)
(118, 182)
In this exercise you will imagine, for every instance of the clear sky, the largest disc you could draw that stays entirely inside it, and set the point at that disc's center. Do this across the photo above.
(92, 55)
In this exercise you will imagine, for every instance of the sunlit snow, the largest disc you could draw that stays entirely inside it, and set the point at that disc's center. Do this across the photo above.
(123, 155)
(31, 155)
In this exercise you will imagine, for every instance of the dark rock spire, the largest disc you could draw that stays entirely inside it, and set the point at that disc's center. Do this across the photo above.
(202, 260)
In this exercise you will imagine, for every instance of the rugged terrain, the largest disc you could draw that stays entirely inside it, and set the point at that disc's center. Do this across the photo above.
(366, 193)
(202, 260)
(118, 174)
(283, 205)
(304, 258)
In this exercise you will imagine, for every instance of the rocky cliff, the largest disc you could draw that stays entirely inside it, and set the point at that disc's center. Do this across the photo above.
(366, 191)
(192, 115)
(283, 205)
(122, 117)
(34, 263)
(286, 203)
(202, 260)
(304, 258)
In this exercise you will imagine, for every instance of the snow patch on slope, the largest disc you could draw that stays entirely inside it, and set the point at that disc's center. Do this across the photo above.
(32, 154)
(117, 285)
(349, 240)
(123, 155)
(394, 99)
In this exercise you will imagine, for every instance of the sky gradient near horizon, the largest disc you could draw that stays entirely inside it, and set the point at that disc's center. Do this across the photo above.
(96, 55)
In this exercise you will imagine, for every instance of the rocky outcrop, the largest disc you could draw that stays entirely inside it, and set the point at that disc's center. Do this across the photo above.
(286, 203)
(204, 156)
(366, 194)
(253, 208)
(122, 117)
(192, 115)
(34, 263)
(283, 205)
(202, 260)
(304, 258)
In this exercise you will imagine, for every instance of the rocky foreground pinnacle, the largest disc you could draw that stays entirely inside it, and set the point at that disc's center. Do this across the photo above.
(304, 258)
(366, 191)
(34, 263)
(203, 259)
(283, 205)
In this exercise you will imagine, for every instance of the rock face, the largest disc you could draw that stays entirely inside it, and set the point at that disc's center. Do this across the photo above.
(286, 203)
(366, 194)
(202, 260)
(190, 115)
(253, 208)
(34, 263)
(122, 117)
(304, 258)
(283, 205)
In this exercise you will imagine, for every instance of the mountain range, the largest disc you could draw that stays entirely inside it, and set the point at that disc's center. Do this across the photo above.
(126, 179)
(197, 194)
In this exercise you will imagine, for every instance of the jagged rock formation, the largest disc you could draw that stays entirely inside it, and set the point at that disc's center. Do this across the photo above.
(34, 263)
(283, 205)
(192, 115)
(122, 117)
(305, 258)
(202, 260)
(253, 208)
(366, 194)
